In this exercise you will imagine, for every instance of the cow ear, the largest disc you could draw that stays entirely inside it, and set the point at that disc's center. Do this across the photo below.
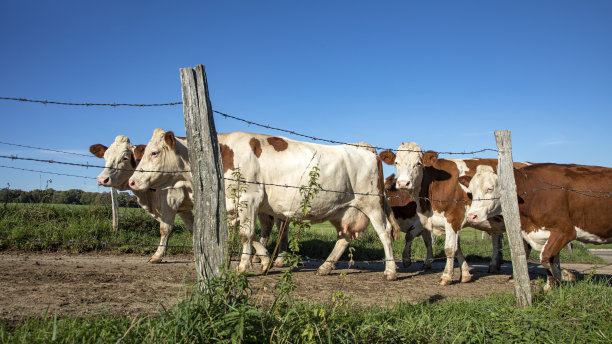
(388, 157)
(98, 150)
(465, 181)
(430, 158)
(170, 139)
(139, 152)
(390, 182)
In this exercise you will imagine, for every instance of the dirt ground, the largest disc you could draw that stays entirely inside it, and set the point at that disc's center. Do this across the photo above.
(33, 284)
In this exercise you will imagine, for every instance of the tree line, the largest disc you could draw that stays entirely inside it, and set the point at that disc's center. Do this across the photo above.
(72, 196)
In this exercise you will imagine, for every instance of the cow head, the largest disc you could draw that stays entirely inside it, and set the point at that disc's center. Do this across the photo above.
(158, 158)
(409, 162)
(119, 162)
(485, 195)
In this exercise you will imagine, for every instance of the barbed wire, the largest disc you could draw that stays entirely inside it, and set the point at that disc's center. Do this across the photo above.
(226, 115)
(46, 172)
(314, 138)
(14, 157)
(88, 104)
(45, 149)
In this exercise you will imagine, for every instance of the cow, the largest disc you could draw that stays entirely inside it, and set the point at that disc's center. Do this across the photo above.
(273, 168)
(557, 203)
(405, 211)
(440, 185)
(121, 159)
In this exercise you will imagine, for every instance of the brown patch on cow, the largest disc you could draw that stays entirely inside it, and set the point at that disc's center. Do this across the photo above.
(170, 139)
(388, 157)
(278, 143)
(429, 158)
(255, 146)
(98, 150)
(139, 152)
(227, 157)
(465, 181)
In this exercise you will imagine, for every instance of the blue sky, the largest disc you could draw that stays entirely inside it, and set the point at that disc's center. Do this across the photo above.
(444, 74)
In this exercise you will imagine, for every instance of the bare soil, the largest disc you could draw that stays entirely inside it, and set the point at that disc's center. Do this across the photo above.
(35, 284)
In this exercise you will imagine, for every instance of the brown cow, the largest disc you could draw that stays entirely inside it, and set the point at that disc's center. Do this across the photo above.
(557, 204)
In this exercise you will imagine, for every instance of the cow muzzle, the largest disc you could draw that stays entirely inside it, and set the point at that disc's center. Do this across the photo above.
(105, 181)
(473, 218)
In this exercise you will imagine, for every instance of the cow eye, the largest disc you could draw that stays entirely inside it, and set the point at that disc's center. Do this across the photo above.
(470, 195)
(489, 190)
(419, 164)
(125, 158)
(154, 153)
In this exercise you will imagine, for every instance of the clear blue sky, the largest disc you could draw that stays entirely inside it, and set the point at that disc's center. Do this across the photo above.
(444, 74)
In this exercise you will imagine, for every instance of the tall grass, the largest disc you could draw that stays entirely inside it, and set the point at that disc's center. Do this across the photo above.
(579, 312)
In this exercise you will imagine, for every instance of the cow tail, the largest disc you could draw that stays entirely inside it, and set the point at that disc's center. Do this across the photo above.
(395, 227)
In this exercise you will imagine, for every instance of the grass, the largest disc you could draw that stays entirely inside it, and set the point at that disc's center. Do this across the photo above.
(578, 312)
(78, 228)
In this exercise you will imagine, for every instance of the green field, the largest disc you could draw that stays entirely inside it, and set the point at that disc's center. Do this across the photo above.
(79, 228)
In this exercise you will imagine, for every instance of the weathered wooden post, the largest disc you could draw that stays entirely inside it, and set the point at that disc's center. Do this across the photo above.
(210, 234)
(510, 211)
(115, 207)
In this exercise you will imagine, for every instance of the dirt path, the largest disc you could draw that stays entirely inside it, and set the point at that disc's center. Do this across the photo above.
(34, 283)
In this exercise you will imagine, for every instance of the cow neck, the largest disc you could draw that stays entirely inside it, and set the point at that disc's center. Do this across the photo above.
(431, 175)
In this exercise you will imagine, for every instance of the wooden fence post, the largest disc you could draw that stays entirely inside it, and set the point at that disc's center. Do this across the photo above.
(210, 233)
(510, 211)
(115, 207)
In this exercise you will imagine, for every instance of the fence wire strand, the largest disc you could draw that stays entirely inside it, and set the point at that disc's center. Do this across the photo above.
(226, 115)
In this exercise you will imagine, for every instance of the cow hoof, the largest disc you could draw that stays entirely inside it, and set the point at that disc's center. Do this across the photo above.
(243, 268)
(390, 275)
(406, 263)
(155, 260)
(465, 279)
(446, 281)
(279, 262)
(323, 272)
(493, 269)
(567, 276)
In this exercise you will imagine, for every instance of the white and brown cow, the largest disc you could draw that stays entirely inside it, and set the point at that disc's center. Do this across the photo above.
(121, 158)
(557, 204)
(405, 211)
(440, 185)
(352, 176)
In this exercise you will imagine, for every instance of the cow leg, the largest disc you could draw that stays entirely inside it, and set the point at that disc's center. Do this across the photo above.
(265, 224)
(465, 267)
(553, 273)
(187, 217)
(406, 253)
(450, 248)
(246, 218)
(283, 237)
(165, 228)
(334, 256)
(496, 255)
(426, 235)
(383, 228)
(549, 258)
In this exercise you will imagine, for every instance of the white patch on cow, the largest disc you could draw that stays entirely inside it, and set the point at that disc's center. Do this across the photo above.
(537, 239)
(461, 166)
(584, 236)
